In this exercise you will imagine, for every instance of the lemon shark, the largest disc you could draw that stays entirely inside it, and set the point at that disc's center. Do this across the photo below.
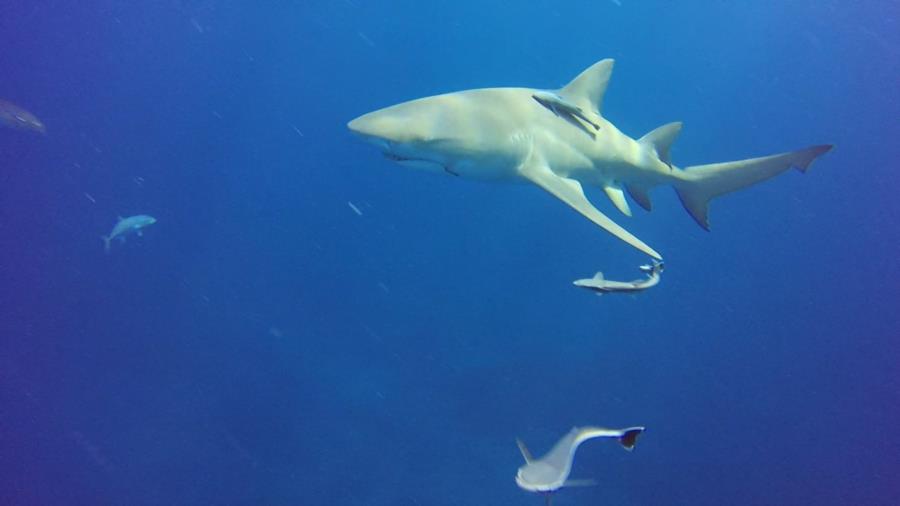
(551, 472)
(559, 141)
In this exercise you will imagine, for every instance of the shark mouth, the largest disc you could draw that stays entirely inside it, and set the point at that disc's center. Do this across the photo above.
(397, 158)
(390, 155)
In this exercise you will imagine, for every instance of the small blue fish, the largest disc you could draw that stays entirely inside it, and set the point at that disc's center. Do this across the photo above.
(126, 226)
(14, 116)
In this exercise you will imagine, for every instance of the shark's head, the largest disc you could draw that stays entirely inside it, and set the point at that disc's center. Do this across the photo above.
(538, 476)
(144, 221)
(428, 133)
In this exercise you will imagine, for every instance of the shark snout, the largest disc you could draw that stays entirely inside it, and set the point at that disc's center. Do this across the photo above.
(375, 125)
(396, 125)
(357, 125)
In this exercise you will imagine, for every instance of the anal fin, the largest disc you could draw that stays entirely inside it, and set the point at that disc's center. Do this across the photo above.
(640, 195)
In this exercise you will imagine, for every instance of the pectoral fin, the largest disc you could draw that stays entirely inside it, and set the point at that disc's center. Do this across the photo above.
(580, 483)
(524, 449)
(570, 192)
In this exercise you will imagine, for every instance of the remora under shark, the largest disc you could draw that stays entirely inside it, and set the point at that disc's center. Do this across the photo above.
(506, 134)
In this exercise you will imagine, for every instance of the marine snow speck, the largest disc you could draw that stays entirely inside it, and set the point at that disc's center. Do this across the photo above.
(127, 226)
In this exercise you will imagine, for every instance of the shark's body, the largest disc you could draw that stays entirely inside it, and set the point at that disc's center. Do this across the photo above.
(14, 116)
(127, 226)
(602, 285)
(518, 134)
(551, 472)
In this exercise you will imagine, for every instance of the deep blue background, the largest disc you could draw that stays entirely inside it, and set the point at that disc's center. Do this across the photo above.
(264, 344)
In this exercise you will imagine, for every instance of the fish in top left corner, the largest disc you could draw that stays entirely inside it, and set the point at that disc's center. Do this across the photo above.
(13, 116)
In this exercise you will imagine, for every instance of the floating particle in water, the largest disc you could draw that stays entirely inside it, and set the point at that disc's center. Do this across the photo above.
(93, 451)
(366, 39)
(355, 209)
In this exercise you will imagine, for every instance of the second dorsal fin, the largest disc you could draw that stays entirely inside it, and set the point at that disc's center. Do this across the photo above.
(660, 140)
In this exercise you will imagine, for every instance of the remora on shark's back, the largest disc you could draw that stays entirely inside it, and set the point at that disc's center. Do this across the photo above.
(538, 136)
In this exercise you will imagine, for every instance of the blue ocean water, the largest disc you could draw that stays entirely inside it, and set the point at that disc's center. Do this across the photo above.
(266, 344)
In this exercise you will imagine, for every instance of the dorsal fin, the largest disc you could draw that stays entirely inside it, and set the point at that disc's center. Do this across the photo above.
(660, 140)
(598, 276)
(524, 449)
(588, 88)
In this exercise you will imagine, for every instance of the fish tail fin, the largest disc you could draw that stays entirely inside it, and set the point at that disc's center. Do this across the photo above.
(629, 437)
(105, 239)
(699, 184)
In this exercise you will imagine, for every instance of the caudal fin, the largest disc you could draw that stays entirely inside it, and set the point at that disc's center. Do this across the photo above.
(105, 240)
(701, 183)
(629, 437)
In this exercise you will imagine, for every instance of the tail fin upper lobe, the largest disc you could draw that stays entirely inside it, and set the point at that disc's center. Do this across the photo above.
(629, 437)
(701, 183)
